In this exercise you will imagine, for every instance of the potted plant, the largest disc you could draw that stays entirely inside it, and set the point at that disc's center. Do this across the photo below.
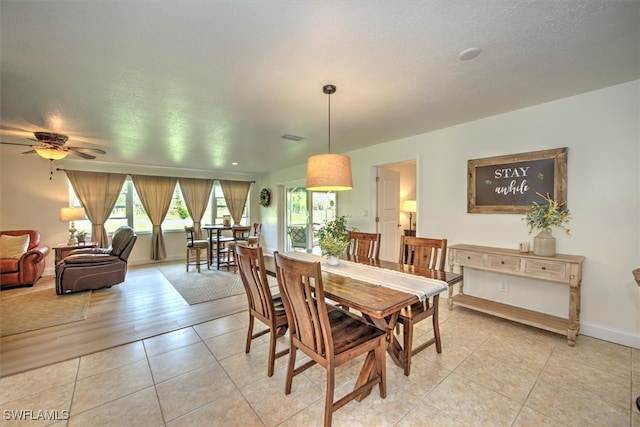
(543, 217)
(333, 238)
(81, 236)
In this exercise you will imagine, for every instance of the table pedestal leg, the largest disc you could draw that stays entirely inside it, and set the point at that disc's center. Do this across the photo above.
(393, 348)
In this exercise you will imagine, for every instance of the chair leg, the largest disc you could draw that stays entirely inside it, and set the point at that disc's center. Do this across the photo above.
(187, 260)
(436, 324)
(328, 399)
(407, 333)
(247, 348)
(290, 368)
(381, 367)
(198, 260)
(272, 352)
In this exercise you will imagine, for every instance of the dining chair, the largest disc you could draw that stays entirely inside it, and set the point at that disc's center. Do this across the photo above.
(262, 304)
(366, 245)
(328, 336)
(254, 235)
(239, 236)
(196, 246)
(421, 252)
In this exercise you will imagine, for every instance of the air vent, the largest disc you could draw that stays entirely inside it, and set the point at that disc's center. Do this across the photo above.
(292, 137)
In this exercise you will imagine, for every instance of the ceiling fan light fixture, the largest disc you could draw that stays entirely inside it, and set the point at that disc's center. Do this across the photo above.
(51, 153)
(329, 172)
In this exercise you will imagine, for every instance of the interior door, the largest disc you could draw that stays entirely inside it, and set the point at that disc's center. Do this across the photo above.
(388, 212)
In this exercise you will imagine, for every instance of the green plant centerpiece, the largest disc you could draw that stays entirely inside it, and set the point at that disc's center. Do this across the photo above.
(333, 238)
(543, 216)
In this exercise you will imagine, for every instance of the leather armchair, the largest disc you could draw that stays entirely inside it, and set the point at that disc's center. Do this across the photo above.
(28, 269)
(96, 268)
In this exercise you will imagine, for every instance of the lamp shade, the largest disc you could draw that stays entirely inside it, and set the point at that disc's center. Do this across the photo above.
(51, 153)
(409, 206)
(329, 172)
(71, 214)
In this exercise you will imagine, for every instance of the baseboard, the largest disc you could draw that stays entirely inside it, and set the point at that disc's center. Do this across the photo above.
(625, 338)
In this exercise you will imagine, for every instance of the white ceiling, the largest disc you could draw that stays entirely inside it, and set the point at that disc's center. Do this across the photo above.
(201, 84)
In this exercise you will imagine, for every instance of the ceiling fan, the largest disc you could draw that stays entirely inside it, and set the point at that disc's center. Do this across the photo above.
(51, 146)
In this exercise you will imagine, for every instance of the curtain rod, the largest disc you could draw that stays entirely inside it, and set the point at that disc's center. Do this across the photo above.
(178, 177)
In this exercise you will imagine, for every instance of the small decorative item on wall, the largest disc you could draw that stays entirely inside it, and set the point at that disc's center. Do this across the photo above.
(265, 198)
(509, 184)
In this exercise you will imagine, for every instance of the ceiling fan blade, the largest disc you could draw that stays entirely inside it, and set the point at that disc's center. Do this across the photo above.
(87, 150)
(29, 152)
(15, 143)
(83, 155)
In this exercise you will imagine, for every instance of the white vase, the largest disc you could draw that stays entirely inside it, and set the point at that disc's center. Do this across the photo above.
(544, 244)
(333, 260)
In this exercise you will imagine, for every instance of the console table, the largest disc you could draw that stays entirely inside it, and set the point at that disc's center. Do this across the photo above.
(565, 269)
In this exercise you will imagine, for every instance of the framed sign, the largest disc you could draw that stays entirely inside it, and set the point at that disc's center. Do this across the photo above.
(509, 184)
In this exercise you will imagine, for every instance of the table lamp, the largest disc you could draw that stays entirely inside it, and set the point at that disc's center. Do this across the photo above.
(409, 206)
(72, 214)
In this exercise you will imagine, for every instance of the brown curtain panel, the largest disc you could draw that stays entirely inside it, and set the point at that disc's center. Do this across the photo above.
(196, 194)
(155, 193)
(235, 194)
(98, 193)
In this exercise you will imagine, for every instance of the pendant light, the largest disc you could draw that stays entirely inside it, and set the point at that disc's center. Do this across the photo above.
(329, 172)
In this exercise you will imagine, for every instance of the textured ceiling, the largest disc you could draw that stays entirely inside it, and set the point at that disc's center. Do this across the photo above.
(201, 84)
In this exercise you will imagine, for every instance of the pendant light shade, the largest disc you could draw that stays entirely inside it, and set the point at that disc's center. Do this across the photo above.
(329, 172)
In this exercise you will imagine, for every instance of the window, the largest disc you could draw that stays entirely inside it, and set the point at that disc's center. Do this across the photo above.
(218, 208)
(128, 210)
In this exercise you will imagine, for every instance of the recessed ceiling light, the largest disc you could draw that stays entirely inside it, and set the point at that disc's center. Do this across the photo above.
(234, 163)
(292, 137)
(469, 54)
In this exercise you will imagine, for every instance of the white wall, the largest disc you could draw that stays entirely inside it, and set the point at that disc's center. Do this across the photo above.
(601, 130)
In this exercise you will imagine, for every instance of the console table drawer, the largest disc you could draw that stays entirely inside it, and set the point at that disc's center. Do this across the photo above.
(469, 258)
(549, 270)
(507, 264)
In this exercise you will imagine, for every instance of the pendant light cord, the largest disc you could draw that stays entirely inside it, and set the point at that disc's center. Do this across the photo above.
(329, 123)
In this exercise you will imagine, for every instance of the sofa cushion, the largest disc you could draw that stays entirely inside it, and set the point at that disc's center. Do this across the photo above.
(8, 265)
(13, 246)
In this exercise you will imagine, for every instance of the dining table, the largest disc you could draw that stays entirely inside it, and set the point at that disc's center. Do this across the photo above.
(216, 230)
(376, 293)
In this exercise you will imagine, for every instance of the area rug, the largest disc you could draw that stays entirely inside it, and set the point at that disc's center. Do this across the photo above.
(29, 309)
(208, 285)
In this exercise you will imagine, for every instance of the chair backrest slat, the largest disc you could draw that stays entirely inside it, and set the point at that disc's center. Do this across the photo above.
(423, 252)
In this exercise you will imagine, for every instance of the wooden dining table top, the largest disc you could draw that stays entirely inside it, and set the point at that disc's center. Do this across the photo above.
(374, 300)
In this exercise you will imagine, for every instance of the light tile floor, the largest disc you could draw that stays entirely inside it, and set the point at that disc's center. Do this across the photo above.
(491, 373)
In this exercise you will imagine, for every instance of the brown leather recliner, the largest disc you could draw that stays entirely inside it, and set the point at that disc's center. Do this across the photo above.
(96, 268)
(28, 269)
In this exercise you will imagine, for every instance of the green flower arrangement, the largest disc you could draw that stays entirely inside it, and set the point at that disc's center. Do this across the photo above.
(333, 237)
(550, 214)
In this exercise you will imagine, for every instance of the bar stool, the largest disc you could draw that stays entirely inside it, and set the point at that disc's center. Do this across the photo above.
(196, 246)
